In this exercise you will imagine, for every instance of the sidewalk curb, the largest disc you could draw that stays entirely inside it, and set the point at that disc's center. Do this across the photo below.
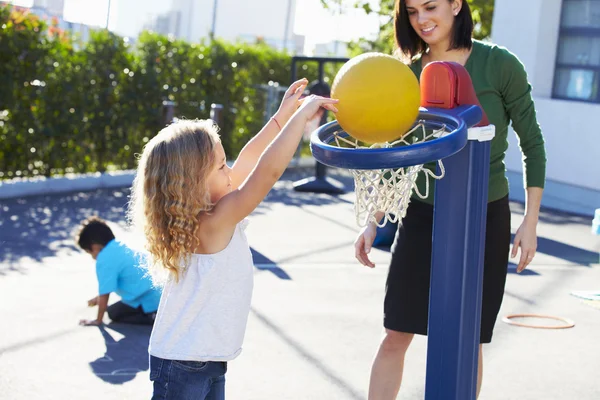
(37, 186)
(63, 184)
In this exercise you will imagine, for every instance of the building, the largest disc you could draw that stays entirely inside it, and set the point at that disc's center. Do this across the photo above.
(54, 10)
(53, 7)
(168, 23)
(271, 21)
(558, 41)
(332, 49)
(129, 17)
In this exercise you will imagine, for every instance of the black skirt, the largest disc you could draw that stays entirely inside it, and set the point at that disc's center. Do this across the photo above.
(406, 305)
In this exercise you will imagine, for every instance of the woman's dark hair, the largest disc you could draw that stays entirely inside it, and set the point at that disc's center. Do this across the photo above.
(94, 231)
(411, 45)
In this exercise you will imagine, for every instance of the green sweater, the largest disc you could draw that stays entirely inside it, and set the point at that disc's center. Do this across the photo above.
(504, 92)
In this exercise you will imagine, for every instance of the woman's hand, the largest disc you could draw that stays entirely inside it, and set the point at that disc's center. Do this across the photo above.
(363, 244)
(526, 239)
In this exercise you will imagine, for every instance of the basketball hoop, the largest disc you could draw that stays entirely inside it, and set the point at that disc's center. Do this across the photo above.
(385, 174)
(389, 190)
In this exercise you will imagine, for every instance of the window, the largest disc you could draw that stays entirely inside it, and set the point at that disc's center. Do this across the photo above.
(577, 73)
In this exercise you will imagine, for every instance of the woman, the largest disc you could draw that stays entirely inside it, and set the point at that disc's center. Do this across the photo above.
(441, 30)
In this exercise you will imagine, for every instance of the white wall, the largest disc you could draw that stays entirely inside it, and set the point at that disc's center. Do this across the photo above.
(530, 30)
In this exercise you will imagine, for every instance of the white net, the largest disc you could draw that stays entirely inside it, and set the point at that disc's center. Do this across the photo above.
(386, 191)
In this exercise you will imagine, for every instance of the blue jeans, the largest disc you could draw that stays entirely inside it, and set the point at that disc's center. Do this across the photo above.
(187, 380)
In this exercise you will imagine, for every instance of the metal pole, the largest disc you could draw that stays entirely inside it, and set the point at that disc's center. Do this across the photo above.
(108, 14)
(460, 211)
(190, 17)
(216, 114)
(320, 183)
(169, 111)
(214, 19)
(321, 72)
(337, 41)
(287, 25)
(177, 23)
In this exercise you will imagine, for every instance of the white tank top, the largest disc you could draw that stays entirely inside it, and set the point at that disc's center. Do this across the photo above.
(203, 316)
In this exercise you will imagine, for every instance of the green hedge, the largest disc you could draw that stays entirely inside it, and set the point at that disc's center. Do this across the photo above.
(69, 106)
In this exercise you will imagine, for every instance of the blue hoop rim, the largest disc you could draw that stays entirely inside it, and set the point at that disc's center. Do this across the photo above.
(458, 120)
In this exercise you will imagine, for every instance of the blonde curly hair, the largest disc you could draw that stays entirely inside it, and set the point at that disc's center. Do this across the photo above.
(170, 193)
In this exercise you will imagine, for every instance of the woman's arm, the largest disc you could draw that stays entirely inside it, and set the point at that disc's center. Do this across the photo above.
(518, 101)
(526, 236)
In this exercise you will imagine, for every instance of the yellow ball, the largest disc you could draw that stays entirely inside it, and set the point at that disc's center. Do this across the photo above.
(379, 97)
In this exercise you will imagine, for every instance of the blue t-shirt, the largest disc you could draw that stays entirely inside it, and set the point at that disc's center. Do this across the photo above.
(118, 270)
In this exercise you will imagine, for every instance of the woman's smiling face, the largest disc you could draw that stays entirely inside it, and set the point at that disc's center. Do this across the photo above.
(433, 20)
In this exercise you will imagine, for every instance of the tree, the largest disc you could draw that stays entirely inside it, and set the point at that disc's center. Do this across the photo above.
(73, 106)
(481, 10)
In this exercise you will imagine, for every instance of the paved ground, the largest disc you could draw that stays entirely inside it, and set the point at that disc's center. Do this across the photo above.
(316, 315)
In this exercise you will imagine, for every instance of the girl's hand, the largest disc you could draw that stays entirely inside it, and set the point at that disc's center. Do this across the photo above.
(312, 104)
(363, 244)
(526, 238)
(291, 101)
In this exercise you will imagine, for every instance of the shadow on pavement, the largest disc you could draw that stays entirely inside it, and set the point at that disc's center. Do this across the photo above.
(125, 357)
(264, 263)
(39, 227)
(314, 359)
(573, 254)
(284, 193)
(555, 217)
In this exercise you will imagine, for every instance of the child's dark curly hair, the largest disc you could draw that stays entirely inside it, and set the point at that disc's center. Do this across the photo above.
(93, 230)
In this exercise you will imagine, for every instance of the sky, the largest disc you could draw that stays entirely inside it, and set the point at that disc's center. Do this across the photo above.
(314, 22)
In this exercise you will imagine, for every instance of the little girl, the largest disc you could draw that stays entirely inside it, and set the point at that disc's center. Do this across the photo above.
(192, 207)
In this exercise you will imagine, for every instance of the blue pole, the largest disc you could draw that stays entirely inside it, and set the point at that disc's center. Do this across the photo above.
(457, 274)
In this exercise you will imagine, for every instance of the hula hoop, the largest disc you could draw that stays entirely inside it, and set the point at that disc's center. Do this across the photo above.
(567, 322)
